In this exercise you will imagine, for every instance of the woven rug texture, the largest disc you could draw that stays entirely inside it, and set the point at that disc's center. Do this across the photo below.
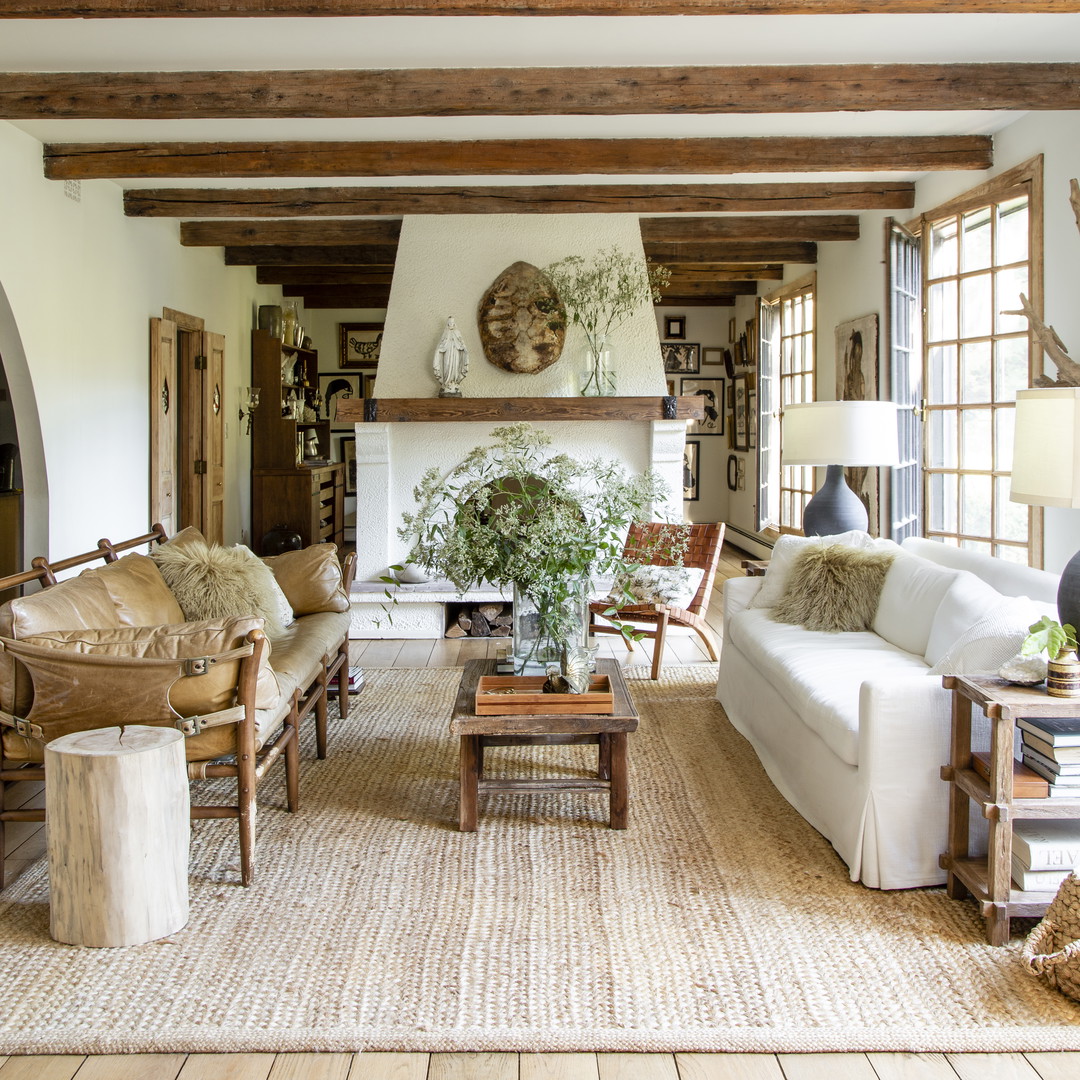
(719, 920)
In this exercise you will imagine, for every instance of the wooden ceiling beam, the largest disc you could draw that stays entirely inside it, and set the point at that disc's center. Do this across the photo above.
(543, 91)
(281, 255)
(735, 251)
(517, 199)
(323, 275)
(322, 231)
(778, 227)
(718, 300)
(720, 272)
(339, 296)
(905, 153)
(117, 9)
(678, 287)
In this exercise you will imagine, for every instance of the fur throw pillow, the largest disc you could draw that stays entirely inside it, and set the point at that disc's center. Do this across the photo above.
(833, 587)
(210, 582)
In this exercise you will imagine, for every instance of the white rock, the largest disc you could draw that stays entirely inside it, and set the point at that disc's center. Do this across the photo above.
(1024, 670)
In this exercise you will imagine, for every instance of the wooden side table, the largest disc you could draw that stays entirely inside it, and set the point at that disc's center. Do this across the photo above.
(989, 878)
(607, 732)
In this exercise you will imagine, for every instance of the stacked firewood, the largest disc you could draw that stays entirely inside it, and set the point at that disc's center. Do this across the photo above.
(483, 620)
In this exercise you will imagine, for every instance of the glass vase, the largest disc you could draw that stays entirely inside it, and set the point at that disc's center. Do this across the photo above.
(543, 626)
(598, 377)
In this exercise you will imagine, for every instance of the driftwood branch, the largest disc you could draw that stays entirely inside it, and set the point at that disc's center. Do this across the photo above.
(1074, 198)
(1046, 336)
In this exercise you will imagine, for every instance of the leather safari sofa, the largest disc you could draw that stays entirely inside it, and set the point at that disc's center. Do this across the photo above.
(112, 646)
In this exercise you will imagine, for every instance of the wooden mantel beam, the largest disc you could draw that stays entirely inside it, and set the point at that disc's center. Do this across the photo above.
(506, 157)
(543, 91)
(115, 9)
(517, 199)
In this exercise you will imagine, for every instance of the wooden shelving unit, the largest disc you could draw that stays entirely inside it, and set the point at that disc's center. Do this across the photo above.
(287, 488)
(989, 878)
(506, 410)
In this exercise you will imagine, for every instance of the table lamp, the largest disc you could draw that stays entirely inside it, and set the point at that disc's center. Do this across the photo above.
(838, 434)
(1046, 468)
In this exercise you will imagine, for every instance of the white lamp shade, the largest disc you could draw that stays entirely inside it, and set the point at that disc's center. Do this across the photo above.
(1046, 447)
(839, 433)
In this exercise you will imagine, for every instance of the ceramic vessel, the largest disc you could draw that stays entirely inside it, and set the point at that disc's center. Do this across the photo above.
(1063, 676)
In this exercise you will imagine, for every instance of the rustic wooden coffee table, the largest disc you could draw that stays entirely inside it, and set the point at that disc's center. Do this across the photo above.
(608, 732)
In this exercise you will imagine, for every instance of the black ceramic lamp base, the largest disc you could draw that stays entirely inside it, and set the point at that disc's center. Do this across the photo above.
(1068, 598)
(835, 508)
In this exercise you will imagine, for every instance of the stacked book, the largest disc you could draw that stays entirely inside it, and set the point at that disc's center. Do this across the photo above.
(1044, 852)
(356, 681)
(1051, 747)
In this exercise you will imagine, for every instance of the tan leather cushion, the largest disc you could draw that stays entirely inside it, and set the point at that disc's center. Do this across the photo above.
(118, 692)
(310, 579)
(139, 591)
(185, 537)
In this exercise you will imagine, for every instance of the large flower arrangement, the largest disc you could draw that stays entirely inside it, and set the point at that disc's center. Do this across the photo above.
(514, 514)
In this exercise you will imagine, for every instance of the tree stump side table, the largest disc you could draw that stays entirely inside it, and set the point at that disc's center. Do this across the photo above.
(118, 811)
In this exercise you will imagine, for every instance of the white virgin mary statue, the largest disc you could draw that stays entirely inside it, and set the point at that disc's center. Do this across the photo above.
(451, 362)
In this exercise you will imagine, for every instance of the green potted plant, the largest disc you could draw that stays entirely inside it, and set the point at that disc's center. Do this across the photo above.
(515, 515)
(1058, 641)
(599, 296)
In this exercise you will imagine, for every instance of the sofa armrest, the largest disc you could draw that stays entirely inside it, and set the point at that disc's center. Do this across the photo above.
(904, 722)
(738, 593)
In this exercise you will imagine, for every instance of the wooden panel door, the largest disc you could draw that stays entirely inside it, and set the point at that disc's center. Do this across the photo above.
(163, 423)
(213, 430)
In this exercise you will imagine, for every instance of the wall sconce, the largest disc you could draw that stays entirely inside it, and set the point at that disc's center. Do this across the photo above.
(249, 397)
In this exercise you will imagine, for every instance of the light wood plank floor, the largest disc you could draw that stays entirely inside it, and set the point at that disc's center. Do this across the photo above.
(26, 843)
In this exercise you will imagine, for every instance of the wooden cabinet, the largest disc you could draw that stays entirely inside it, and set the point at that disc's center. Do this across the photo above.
(289, 485)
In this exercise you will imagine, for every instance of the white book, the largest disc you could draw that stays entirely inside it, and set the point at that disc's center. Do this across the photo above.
(1049, 763)
(1053, 844)
(1063, 755)
(1037, 880)
(1035, 763)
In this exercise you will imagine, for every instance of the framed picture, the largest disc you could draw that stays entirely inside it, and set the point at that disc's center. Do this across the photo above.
(731, 330)
(334, 388)
(741, 418)
(712, 357)
(751, 412)
(857, 380)
(751, 341)
(674, 326)
(681, 359)
(690, 471)
(369, 384)
(671, 388)
(712, 391)
(347, 451)
(359, 344)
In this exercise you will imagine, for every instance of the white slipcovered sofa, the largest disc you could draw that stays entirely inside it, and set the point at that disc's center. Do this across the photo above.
(853, 728)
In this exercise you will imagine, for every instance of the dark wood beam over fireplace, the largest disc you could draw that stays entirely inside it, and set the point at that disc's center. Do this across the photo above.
(87, 161)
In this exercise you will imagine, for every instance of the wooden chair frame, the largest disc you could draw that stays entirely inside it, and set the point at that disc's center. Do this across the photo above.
(703, 551)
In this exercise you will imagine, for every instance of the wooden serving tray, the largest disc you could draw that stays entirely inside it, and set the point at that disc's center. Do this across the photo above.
(528, 697)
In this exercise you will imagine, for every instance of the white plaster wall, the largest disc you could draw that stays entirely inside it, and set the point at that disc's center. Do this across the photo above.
(82, 282)
(445, 265)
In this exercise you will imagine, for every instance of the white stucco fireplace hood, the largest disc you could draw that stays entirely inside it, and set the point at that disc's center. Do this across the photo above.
(444, 265)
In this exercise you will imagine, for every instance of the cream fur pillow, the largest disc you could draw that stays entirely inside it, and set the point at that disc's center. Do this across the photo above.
(210, 581)
(834, 588)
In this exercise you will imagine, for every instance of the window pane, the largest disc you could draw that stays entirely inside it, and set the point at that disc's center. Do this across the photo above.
(943, 500)
(1012, 518)
(982, 546)
(1004, 425)
(942, 316)
(975, 373)
(1013, 554)
(975, 505)
(975, 306)
(1010, 284)
(975, 252)
(942, 375)
(941, 439)
(943, 248)
(976, 450)
(1010, 368)
(1012, 234)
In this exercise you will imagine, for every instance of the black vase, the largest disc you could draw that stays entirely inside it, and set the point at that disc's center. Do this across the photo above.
(281, 538)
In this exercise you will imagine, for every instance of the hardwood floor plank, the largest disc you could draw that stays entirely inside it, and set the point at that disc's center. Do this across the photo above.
(311, 1067)
(444, 653)
(911, 1067)
(132, 1067)
(728, 1067)
(828, 1067)
(227, 1067)
(636, 1067)
(992, 1067)
(380, 652)
(41, 1067)
(473, 1067)
(32, 845)
(415, 653)
(1061, 1066)
(558, 1067)
(380, 1066)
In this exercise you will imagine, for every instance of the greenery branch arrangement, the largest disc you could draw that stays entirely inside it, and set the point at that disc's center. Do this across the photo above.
(1056, 639)
(601, 294)
(514, 514)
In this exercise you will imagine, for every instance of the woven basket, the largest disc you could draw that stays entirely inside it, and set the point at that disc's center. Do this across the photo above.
(1052, 949)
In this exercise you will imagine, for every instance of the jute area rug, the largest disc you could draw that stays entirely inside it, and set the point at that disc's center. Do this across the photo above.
(718, 921)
